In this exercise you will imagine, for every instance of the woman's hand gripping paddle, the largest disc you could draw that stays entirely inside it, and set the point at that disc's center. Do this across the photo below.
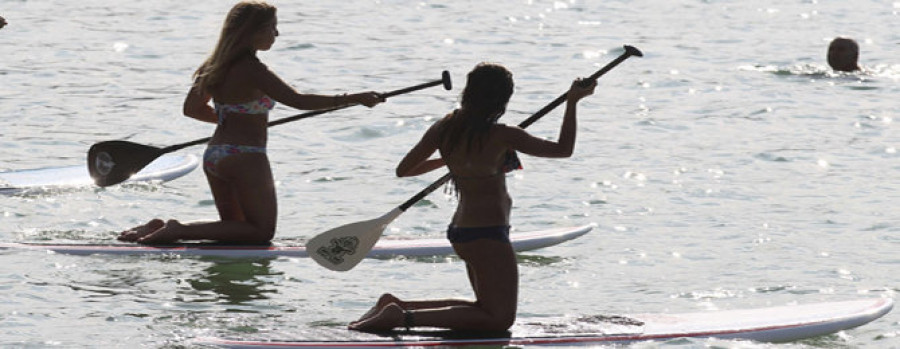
(342, 248)
(113, 162)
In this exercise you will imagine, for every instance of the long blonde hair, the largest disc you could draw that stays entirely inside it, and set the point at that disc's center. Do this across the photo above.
(244, 20)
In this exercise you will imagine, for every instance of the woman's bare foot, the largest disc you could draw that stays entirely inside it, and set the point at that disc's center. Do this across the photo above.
(382, 302)
(171, 231)
(138, 232)
(390, 317)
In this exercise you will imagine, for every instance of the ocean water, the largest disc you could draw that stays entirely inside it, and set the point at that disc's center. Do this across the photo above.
(728, 168)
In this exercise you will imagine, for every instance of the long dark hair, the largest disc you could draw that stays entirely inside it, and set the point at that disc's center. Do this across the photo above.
(488, 89)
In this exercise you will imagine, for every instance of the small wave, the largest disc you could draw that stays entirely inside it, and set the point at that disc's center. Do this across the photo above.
(820, 71)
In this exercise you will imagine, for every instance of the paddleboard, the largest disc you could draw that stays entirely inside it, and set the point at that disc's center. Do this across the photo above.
(774, 324)
(164, 168)
(386, 248)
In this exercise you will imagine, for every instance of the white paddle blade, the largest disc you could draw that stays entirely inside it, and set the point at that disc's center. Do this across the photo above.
(342, 248)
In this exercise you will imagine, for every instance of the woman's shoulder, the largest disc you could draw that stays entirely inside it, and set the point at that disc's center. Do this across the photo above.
(505, 129)
(443, 121)
(248, 65)
(507, 134)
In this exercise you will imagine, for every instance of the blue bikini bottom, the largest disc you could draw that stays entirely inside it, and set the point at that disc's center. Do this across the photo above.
(459, 235)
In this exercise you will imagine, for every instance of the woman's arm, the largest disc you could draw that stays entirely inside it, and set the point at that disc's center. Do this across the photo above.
(520, 140)
(423, 167)
(272, 85)
(196, 105)
(417, 161)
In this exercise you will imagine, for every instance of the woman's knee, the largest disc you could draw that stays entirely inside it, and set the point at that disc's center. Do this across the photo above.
(506, 322)
(259, 233)
(265, 220)
(501, 312)
(500, 322)
(267, 233)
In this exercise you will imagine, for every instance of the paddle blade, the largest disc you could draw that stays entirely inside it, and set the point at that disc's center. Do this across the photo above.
(342, 248)
(113, 162)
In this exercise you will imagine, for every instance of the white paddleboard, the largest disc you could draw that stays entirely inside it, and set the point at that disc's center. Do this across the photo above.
(774, 324)
(164, 168)
(385, 248)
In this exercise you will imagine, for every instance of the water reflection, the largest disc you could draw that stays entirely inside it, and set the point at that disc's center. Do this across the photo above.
(160, 280)
(237, 281)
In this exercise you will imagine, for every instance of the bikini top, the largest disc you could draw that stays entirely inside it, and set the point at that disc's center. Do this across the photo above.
(260, 106)
(511, 163)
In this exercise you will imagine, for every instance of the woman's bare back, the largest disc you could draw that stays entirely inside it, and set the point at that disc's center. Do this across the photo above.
(481, 183)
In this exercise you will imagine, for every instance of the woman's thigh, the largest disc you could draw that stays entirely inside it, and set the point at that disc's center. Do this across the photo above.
(226, 200)
(250, 187)
(494, 274)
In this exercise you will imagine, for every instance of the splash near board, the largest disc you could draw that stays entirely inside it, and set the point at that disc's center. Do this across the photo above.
(525, 241)
(165, 168)
(772, 324)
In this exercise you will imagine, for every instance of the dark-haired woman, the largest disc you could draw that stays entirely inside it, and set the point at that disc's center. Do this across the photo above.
(476, 148)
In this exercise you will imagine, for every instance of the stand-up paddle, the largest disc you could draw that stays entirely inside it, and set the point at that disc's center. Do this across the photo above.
(113, 162)
(342, 248)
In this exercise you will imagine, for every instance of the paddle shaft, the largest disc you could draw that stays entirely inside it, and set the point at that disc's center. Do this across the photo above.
(444, 81)
(629, 51)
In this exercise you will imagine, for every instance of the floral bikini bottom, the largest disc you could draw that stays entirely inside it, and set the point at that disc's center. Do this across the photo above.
(216, 152)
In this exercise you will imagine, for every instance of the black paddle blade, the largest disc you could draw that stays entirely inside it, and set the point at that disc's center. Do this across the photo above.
(113, 162)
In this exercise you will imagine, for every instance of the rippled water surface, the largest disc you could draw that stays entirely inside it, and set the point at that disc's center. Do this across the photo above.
(728, 168)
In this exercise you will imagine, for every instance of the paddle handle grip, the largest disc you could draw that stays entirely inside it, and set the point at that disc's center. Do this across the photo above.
(629, 51)
(445, 80)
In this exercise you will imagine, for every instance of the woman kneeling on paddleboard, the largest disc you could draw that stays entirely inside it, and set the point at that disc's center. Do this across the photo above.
(477, 150)
(243, 90)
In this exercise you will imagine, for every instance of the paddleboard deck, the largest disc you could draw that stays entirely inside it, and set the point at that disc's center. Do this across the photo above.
(164, 168)
(386, 248)
(772, 324)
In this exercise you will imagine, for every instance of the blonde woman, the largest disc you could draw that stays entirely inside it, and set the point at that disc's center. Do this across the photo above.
(242, 90)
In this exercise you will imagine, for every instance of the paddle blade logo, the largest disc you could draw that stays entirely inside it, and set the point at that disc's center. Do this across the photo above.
(104, 163)
(338, 248)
